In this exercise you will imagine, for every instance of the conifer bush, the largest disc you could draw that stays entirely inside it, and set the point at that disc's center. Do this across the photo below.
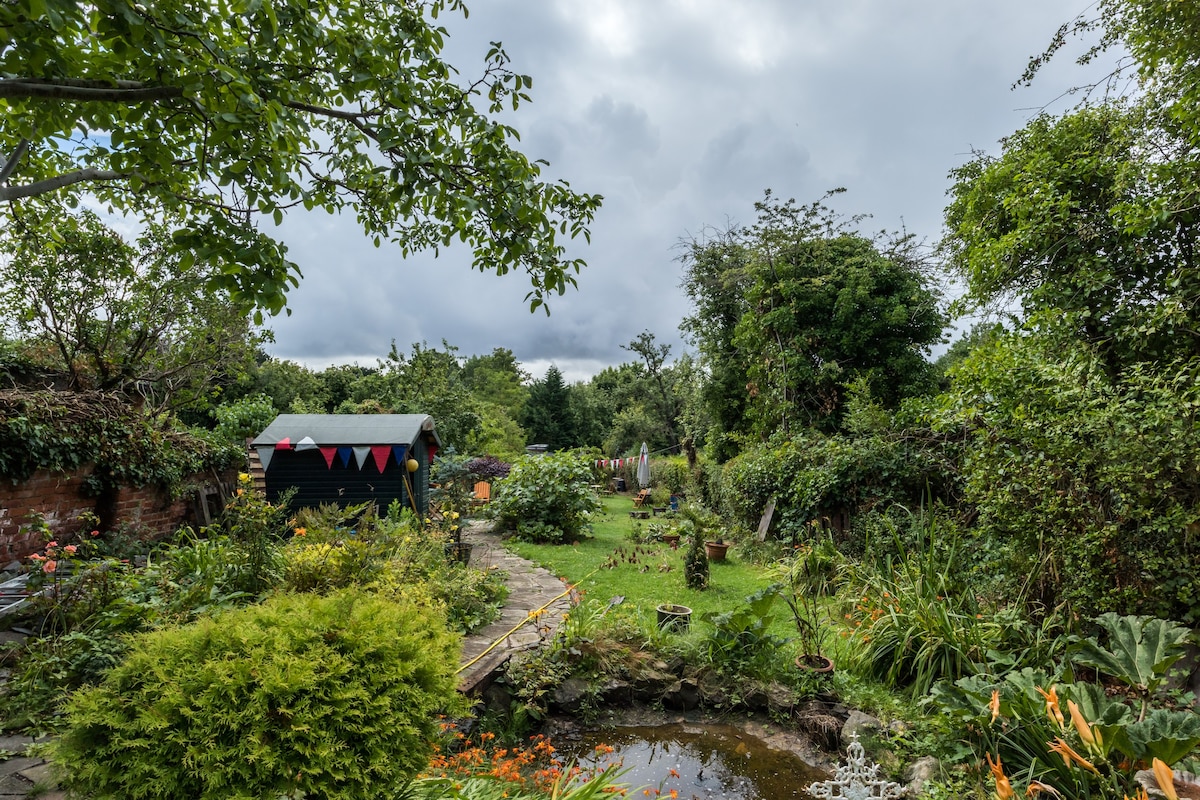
(302, 696)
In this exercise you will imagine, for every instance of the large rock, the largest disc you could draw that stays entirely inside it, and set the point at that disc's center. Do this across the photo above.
(682, 695)
(920, 772)
(571, 696)
(862, 724)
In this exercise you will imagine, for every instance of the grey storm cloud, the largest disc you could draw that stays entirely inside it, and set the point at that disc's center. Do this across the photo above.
(681, 112)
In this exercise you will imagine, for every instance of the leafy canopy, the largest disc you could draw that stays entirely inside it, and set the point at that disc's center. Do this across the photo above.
(212, 116)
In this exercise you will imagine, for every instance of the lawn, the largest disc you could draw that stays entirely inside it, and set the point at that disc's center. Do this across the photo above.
(608, 564)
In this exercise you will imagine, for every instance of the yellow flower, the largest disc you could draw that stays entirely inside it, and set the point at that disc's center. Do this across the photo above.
(453, 515)
(1166, 779)
(1004, 790)
(243, 476)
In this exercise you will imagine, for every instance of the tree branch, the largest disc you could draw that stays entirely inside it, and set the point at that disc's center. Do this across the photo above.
(9, 193)
(86, 91)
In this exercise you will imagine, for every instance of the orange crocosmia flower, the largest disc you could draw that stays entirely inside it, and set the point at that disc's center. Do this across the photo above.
(1052, 709)
(1004, 790)
(995, 704)
(1069, 755)
(673, 773)
(674, 794)
(1165, 777)
(301, 531)
(1037, 787)
(50, 565)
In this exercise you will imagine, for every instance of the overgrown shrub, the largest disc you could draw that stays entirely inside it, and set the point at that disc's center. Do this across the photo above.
(1085, 483)
(65, 431)
(811, 474)
(333, 697)
(388, 555)
(546, 498)
(245, 418)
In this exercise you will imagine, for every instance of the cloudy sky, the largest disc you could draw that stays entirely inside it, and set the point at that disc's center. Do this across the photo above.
(681, 112)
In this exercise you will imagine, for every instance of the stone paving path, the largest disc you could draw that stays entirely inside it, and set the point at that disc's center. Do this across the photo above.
(531, 589)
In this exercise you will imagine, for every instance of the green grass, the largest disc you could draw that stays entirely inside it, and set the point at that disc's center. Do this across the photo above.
(650, 574)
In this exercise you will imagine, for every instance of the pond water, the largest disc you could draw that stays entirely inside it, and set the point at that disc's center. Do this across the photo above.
(699, 761)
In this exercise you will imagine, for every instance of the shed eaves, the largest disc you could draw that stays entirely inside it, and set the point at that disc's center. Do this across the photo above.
(348, 429)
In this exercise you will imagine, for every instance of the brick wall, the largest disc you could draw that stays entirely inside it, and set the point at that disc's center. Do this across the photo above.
(58, 497)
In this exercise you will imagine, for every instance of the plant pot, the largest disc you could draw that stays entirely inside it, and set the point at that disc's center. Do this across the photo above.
(819, 665)
(458, 551)
(716, 550)
(671, 539)
(674, 617)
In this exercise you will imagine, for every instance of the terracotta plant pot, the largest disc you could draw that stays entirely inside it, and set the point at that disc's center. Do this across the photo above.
(716, 550)
(820, 665)
(673, 617)
(671, 539)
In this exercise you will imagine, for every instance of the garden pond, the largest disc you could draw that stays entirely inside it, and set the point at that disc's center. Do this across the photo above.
(701, 760)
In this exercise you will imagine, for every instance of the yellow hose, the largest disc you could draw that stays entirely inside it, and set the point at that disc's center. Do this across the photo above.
(532, 615)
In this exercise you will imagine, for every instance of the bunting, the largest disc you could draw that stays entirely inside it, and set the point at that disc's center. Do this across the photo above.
(329, 451)
(306, 443)
(344, 454)
(284, 444)
(265, 451)
(381, 453)
(361, 453)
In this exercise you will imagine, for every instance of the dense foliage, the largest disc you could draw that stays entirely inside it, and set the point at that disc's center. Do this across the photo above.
(136, 319)
(328, 696)
(61, 431)
(218, 117)
(545, 497)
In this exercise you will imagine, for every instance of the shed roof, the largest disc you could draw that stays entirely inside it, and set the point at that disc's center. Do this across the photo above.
(348, 429)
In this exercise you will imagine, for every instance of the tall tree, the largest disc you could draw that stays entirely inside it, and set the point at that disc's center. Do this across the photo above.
(429, 381)
(715, 278)
(548, 417)
(135, 319)
(662, 401)
(213, 116)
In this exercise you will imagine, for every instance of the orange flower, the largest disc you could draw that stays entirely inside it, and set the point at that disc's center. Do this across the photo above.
(37, 557)
(1089, 735)
(50, 565)
(674, 794)
(1166, 779)
(301, 531)
(1052, 709)
(1037, 787)
(52, 544)
(1069, 755)
(71, 549)
(1004, 790)
(995, 704)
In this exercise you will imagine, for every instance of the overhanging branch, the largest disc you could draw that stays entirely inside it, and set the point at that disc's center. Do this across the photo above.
(86, 91)
(10, 193)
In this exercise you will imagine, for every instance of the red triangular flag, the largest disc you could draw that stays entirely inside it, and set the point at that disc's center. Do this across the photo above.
(329, 451)
(284, 444)
(381, 453)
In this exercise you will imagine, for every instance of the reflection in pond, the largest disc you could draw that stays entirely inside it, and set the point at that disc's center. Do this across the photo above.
(699, 761)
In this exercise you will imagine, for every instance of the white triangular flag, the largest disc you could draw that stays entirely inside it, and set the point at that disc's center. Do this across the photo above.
(306, 443)
(265, 451)
(361, 454)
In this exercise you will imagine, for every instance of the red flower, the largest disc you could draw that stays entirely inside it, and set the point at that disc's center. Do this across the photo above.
(95, 533)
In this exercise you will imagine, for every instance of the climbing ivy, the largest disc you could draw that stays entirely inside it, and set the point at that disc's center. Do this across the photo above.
(67, 431)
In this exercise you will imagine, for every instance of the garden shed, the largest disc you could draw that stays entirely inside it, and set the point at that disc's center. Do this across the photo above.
(349, 458)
